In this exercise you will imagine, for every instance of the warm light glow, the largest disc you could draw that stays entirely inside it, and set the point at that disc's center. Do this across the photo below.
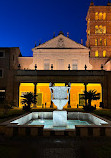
(88, 32)
(104, 29)
(44, 94)
(96, 53)
(24, 88)
(104, 16)
(96, 16)
(96, 42)
(104, 53)
(96, 29)
(98, 88)
(100, 29)
(100, 41)
(100, 16)
(59, 84)
(105, 43)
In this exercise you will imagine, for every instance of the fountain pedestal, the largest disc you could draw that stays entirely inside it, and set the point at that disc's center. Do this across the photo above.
(59, 118)
(60, 97)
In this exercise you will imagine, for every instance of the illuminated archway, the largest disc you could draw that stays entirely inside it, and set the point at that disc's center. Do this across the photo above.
(98, 88)
(24, 88)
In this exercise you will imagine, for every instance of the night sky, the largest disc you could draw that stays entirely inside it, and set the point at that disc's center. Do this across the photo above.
(25, 21)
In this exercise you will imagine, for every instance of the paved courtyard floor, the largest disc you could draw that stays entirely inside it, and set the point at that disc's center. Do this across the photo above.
(55, 147)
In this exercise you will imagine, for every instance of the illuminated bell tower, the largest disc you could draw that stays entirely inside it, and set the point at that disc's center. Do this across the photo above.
(99, 34)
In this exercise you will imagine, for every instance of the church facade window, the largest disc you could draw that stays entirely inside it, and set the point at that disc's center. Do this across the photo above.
(46, 64)
(74, 64)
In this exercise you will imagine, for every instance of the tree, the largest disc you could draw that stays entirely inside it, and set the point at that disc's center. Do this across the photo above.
(90, 95)
(28, 99)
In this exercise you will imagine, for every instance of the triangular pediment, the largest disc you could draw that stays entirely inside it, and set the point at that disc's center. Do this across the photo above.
(61, 41)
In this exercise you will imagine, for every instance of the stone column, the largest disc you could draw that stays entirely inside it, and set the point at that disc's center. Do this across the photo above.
(35, 92)
(51, 106)
(68, 106)
(85, 84)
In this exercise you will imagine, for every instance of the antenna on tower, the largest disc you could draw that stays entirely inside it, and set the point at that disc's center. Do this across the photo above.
(92, 3)
(53, 34)
(39, 42)
(35, 44)
(68, 34)
(109, 3)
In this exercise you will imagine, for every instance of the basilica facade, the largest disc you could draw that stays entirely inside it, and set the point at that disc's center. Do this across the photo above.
(60, 61)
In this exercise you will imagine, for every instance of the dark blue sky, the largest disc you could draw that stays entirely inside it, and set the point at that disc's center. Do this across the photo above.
(25, 21)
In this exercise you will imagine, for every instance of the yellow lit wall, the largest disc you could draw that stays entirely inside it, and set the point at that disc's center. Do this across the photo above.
(76, 89)
(43, 88)
(25, 87)
(98, 88)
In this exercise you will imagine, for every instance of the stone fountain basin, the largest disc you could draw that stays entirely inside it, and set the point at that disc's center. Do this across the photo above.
(60, 103)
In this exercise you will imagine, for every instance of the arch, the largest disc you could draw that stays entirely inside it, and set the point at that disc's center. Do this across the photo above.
(104, 16)
(104, 53)
(100, 41)
(100, 16)
(100, 29)
(96, 42)
(104, 29)
(105, 42)
(96, 16)
(96, 29)
(96, 53)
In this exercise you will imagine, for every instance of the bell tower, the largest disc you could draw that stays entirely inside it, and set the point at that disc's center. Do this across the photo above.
(99, 34)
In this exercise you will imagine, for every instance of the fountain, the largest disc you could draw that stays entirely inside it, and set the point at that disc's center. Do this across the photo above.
(60, 97)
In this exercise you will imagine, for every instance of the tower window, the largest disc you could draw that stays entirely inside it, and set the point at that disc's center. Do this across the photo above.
(104, 29)
(105, 42)
(96, 16)
(104, 16)
(104, 53)
(100, 16)
(96, 42)
(100, 29)
(96, 29)
(100, 41)
(96, 53)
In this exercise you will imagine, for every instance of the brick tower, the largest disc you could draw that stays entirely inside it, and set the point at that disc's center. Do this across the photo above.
(99, 35)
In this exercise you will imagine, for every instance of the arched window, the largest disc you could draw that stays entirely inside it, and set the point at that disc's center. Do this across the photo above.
(105, 42)
(104, 53)
(96, 53)
(96, 42)
(104, 16)
(104, 29)
(100, 41)
(96, 16)
(96, 29)
(100, 16)
(100, 29)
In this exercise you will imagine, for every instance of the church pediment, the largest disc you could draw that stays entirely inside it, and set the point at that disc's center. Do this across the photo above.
(61, 42)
